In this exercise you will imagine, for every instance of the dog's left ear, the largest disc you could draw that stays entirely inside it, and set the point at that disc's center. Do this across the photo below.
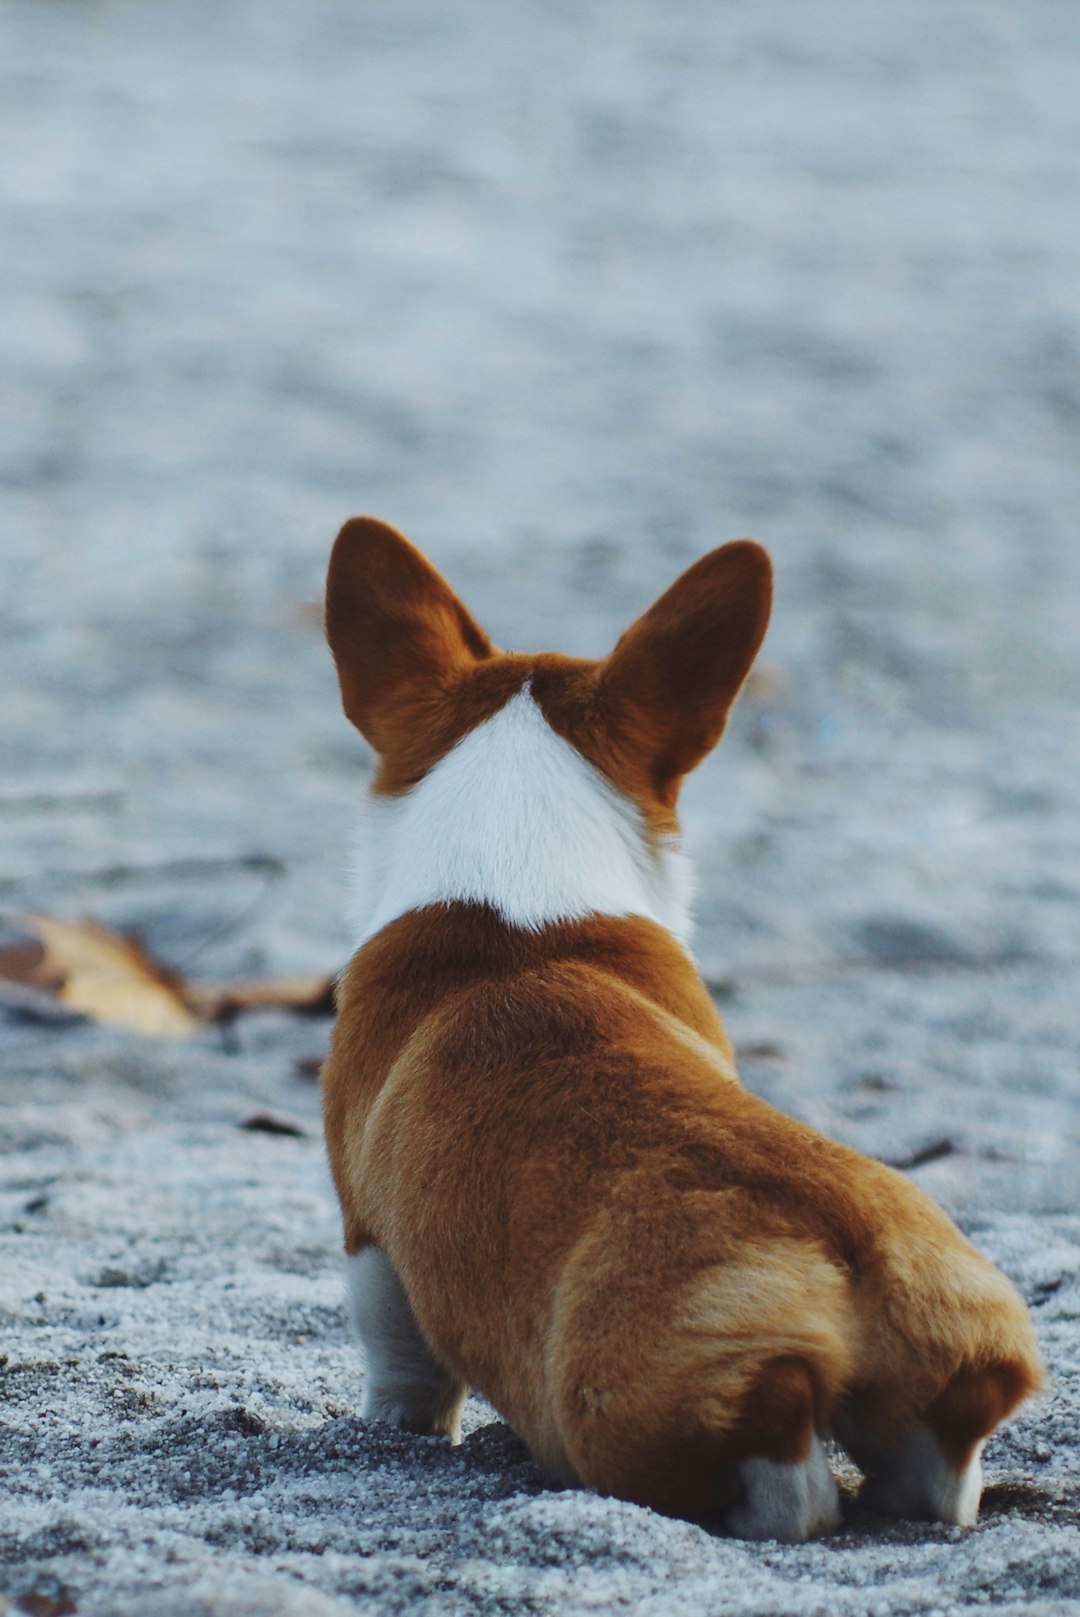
(668, 686)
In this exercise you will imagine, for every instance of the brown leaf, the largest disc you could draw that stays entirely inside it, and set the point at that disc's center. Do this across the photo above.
(314, 996)
(114, 978)
(111, 977)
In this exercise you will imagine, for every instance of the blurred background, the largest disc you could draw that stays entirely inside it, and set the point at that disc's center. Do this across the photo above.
(571, 293)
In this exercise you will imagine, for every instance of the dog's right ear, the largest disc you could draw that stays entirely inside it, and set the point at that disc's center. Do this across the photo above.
(395, 627)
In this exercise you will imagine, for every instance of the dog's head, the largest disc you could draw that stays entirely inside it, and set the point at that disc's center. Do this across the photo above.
(418, 673)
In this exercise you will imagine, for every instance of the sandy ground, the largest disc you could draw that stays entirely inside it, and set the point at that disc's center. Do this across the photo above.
(572, 293)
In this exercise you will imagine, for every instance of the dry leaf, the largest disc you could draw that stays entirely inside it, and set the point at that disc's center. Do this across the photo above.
(311, 995)
(113, 978)
(110, 977)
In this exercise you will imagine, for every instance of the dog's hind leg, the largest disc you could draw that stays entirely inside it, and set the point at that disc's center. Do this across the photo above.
(787, 1500)
(933, 1472)
(406, 1385)
(788, 1490)
(915, 1481)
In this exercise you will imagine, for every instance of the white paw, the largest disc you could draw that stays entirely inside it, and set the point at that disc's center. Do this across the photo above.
(415, 1408)
(787, 1501)
(917, 1483)
(405, 1385)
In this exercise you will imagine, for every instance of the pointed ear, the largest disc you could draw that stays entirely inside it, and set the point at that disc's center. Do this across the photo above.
(668, 686)
(395, 627)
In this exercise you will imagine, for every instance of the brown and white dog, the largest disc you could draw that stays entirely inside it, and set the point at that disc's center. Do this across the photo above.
(554, 1188)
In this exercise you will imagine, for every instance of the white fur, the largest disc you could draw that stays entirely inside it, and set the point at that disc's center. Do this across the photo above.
(790, 1502)
(515, 817)
(405, 1384)
(917, 1482)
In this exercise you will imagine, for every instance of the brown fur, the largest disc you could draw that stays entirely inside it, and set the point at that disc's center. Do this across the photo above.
(651, 1273)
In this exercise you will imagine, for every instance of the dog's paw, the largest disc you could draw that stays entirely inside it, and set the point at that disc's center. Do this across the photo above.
(917, 1484)
(422, 1409)
(789, 1501)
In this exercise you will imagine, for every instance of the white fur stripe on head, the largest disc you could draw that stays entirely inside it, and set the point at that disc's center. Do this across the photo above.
(515, 817)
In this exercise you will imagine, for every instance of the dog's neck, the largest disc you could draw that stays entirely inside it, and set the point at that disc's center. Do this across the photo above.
(514, 817)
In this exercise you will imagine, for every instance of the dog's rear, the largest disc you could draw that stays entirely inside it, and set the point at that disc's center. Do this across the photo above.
(554, 1188)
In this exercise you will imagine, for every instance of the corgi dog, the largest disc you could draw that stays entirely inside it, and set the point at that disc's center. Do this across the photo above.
(554, 1188)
